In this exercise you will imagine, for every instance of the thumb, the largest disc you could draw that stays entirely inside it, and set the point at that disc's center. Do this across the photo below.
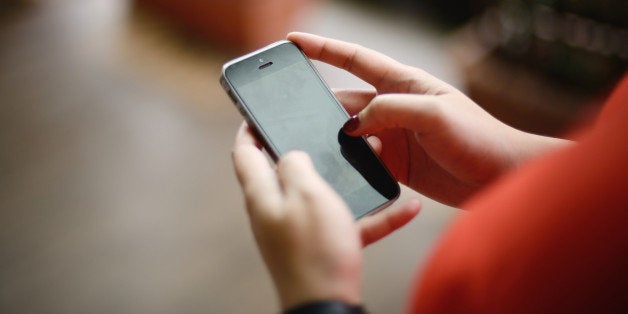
(407, 111)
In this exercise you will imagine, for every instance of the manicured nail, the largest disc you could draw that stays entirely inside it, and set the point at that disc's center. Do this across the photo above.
(352, 124)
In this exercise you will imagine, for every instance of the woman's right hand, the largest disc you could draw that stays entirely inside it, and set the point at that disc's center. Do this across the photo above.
(433, 138)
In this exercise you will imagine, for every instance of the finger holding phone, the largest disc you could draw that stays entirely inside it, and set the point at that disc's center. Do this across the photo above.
(304, 230)
(434, 139)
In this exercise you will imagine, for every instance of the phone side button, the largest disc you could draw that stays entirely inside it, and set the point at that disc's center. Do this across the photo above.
(241, 109)
(235, 101)
(232, 96)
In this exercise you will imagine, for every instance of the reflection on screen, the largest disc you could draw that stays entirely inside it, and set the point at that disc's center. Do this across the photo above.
(297, 112)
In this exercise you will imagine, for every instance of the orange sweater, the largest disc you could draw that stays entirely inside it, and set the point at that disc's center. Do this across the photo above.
(551, 237)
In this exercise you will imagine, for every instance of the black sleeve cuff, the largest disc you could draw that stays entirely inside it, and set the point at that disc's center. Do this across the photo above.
(326, 307)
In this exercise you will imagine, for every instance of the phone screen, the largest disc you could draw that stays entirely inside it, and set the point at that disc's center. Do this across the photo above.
(294, 110)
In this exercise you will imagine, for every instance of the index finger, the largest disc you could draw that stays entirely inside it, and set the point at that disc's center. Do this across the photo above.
(373, 67)
(385, 74)
(256, 176)
(354, 100)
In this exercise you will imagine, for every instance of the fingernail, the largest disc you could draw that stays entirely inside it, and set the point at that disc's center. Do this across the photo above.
(351, 125)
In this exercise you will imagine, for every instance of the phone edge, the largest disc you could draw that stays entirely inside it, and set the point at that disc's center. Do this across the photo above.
(235, 98)
(339, 104)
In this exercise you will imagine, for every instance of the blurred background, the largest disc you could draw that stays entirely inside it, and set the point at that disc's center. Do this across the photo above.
(116, 187)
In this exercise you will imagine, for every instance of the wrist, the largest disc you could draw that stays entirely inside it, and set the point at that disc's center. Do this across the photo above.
(533, 145)
(295, 295)
(341, 281)
(326, 307)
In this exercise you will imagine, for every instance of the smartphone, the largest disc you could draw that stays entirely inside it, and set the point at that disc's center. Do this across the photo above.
(289, 107)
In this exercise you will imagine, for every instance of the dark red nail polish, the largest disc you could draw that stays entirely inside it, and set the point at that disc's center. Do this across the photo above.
(352, 124)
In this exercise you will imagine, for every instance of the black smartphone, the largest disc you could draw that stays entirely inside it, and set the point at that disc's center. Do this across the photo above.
(289, 107)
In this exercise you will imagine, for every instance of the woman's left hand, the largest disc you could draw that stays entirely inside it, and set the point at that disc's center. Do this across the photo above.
(305, 232)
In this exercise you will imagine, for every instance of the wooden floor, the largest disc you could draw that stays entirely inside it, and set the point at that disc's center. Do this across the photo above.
(116, 187)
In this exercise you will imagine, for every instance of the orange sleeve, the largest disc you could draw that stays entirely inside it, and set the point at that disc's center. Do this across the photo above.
(551, 237)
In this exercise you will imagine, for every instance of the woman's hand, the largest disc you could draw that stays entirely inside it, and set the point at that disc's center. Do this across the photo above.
(433, 138)
(305, 232)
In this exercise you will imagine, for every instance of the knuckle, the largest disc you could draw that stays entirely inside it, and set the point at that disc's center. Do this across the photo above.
(294, 159)
(262, 209)
(309, 194)
(376, 105)
(434, 107)
(377, 110)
